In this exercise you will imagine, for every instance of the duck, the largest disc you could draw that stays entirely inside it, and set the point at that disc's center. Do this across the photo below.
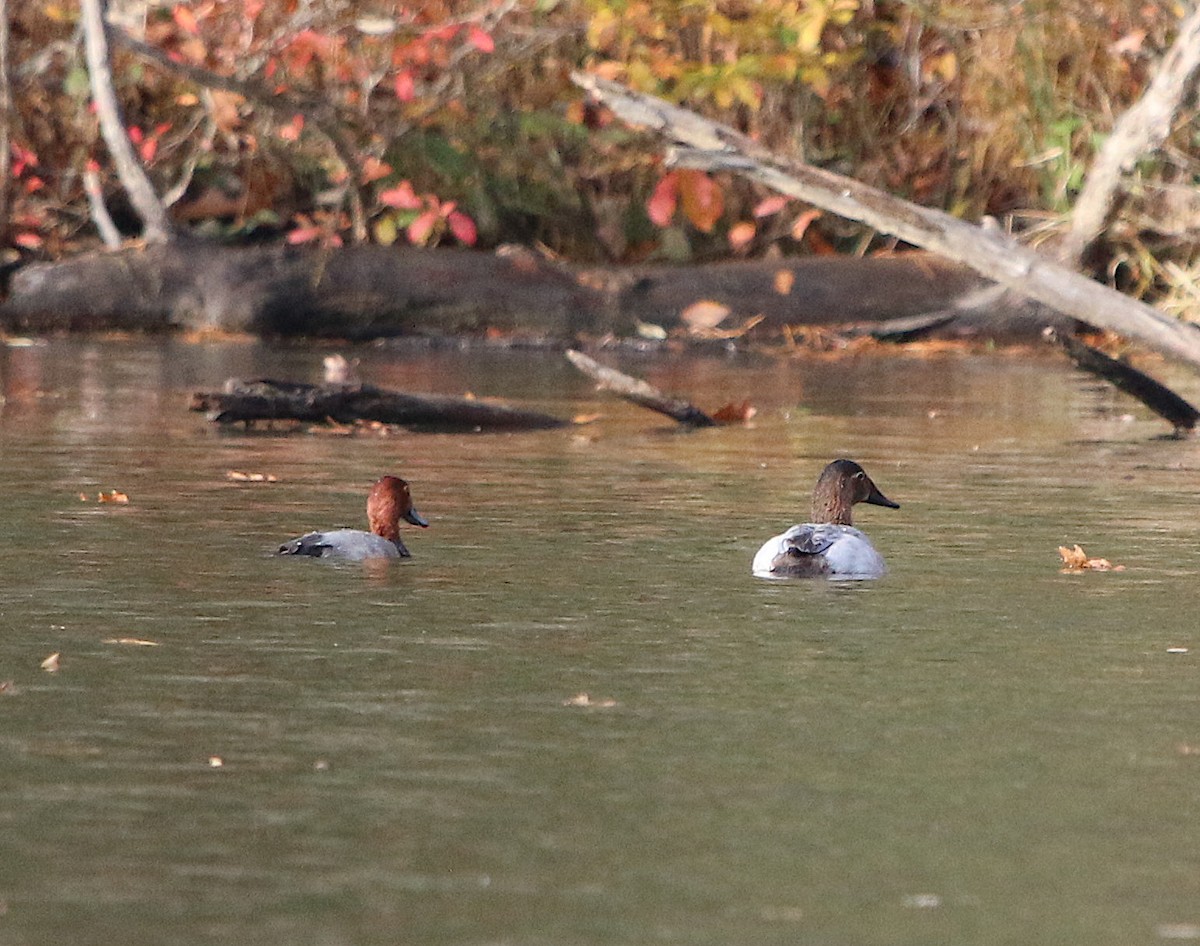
(388, 502)
(829, 546)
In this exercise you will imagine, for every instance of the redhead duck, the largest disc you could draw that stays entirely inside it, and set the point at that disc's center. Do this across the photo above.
(828, 546)
(388, 503)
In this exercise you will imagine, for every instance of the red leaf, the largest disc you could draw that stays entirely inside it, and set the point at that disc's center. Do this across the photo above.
(463, 228)
(406, 88)
(420, 229)
(481, 39)
(304, 234)
(291, 131)
(660, 208)
(702, 199)
(769, 206)
(402, 197)
(28, 241)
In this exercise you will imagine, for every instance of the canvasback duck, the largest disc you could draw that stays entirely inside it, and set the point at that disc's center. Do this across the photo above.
(829, 546)
(388, 503)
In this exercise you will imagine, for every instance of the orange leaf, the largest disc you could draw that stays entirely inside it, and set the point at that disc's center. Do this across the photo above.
(113, 496)
(734, 413)
(702, 198)
(185, 19)
(740, 234)
(660, 208)
(1076, 560)
(783, 281)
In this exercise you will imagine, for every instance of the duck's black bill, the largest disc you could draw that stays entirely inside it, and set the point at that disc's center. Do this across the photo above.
(416, 519)
(878, 499)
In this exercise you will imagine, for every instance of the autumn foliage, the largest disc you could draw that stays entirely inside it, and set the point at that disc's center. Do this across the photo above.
(453, 122)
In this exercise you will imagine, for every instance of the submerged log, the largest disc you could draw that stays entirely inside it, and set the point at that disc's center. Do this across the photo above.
(247, 401)
(1162, 400)
(640, 392)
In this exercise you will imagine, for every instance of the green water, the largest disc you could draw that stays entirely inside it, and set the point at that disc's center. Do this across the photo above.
(976, 749)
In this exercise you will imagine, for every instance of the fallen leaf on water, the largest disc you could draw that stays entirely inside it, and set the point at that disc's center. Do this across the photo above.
(7, 688)
(133, 641)
(113, 496)
(215, 761)
(705, 314)
(734, 412)
(50, 664)
(239, 477)
(1076, 560)
(583, 699)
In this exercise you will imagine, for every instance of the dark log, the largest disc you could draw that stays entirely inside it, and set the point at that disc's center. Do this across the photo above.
(639, 392)
(244, 401)
(366, 292)
(1162, 400)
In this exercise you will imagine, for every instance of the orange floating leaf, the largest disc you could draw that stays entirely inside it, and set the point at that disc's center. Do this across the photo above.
(734, 412)
(1076, 560)
(113, 496)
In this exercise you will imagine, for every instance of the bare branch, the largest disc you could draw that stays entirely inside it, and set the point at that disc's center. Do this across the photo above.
(157, 228)
(1141, 129)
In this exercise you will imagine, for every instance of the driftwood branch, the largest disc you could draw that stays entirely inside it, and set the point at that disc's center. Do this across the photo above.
(714, 147)
(639, 392)
(156, 226)
(247, 401)
(1142, 128)
(1162, 400)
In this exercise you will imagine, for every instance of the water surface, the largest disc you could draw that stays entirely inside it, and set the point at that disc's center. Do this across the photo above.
(975, 749)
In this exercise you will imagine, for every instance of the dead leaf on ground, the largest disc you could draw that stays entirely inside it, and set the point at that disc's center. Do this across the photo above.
(734, 412)
(1076, 560)
(583, 699)
(132, 641)
(239, 476)
(50, 664)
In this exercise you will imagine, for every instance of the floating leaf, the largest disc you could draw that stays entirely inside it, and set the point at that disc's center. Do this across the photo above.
(583, 699)
(734, 412)
(50, 664)
(1076, 560)
(131, 641)
(215, 761)
(240, 477)
(113, 496)
(704, 314)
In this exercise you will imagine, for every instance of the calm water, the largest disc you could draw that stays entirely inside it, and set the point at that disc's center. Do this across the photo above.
(977, 749)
